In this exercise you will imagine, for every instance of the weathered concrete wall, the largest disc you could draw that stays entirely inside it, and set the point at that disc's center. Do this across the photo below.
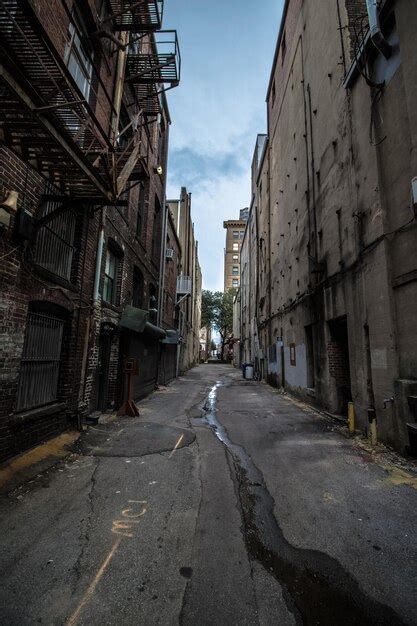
(336, 272)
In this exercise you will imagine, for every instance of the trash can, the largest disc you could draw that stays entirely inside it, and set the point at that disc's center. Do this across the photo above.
(244, 366)
(249, 371)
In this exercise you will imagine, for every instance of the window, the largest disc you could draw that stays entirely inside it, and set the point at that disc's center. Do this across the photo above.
(39, 370)
(54, 247)
(235, 282)
(110, 277)
(241, 233)
(235, 234)
(235, 271)
(235, 246)
(77, 59)
(235, 257)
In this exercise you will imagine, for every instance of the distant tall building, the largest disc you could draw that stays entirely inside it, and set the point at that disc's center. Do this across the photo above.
(244, 213)
(234, 236)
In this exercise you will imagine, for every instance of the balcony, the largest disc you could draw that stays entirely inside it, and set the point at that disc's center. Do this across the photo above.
(45, 112)
(184, 285)
(137, 16)
(153, 68)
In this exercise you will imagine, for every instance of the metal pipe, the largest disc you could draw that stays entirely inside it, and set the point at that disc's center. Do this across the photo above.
(162, 263)
(99, 255)
(377, 37)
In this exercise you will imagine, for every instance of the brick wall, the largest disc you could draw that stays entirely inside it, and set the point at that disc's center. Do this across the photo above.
(22, 282)
(338, 363)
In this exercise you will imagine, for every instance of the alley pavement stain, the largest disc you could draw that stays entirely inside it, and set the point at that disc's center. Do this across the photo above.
(317, 589)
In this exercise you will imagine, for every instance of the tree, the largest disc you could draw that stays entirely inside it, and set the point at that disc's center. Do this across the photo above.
(217, 311)
(208, 302)
(223, 320)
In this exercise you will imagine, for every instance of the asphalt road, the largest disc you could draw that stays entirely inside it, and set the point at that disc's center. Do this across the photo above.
(224, 503)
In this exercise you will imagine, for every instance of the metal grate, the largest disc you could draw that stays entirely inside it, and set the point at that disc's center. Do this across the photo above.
(145, 15)
(54, 242)
(39, 371)
(158, 62)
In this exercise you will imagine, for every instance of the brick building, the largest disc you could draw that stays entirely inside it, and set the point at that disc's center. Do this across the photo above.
(328, 272)
(234, 235)
(84, 137)
(189, 284)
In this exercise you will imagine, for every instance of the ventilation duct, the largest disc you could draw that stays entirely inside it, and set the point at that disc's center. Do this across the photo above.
(377, 37)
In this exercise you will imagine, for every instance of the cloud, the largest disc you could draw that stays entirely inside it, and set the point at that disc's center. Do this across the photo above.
(194, 168)
(218, 109)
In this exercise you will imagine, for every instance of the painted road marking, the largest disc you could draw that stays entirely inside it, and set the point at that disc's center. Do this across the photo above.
(176, 445)
(123, 527)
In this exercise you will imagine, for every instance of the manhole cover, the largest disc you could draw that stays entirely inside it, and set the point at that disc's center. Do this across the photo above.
(133, 440)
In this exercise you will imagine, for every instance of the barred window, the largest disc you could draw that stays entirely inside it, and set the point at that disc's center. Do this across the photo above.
(39, 370)
(54, 247)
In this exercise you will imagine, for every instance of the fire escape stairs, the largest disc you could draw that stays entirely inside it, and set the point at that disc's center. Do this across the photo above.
(136, 15)
(46, 120)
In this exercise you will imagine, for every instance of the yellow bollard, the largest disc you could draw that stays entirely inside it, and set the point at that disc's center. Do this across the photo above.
(351, 417)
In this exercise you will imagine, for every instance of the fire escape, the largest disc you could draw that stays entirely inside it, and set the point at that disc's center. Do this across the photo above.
(64, 133)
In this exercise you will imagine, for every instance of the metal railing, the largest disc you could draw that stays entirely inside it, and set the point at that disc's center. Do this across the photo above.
(54, 247)
(39, 370)
(136, 15)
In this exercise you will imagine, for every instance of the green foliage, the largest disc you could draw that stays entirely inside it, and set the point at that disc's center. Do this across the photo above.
(208, 305)
(217, 311)
(224, 314)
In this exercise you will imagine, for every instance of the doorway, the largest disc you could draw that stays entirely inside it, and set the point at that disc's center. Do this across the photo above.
(339, 365)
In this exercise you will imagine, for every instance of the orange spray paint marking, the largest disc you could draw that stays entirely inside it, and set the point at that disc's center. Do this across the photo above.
(176, 445)
(91, 589)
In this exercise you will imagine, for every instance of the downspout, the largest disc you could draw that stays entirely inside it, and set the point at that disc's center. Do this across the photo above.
(377, 37)
(161, 288)
(117, 103)
(99, 255)
(269, 257)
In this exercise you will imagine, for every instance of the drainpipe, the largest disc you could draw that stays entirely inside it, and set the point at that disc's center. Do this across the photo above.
(99, 255)
(269, 257)
(377, 37)
(117, 103)
(162, 263)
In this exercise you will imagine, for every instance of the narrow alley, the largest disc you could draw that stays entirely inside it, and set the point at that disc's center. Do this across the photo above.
(225, 502)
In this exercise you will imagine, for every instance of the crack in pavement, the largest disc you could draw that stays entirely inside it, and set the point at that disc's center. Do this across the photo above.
(84, 537)
(317, 588)
(187, 588)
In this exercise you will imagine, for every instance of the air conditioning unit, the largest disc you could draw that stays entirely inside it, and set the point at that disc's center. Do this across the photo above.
(169, 253)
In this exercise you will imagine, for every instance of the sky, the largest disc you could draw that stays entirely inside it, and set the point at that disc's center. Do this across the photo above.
(227, 48)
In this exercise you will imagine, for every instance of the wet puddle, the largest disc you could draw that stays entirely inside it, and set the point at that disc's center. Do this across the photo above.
(316, 587)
